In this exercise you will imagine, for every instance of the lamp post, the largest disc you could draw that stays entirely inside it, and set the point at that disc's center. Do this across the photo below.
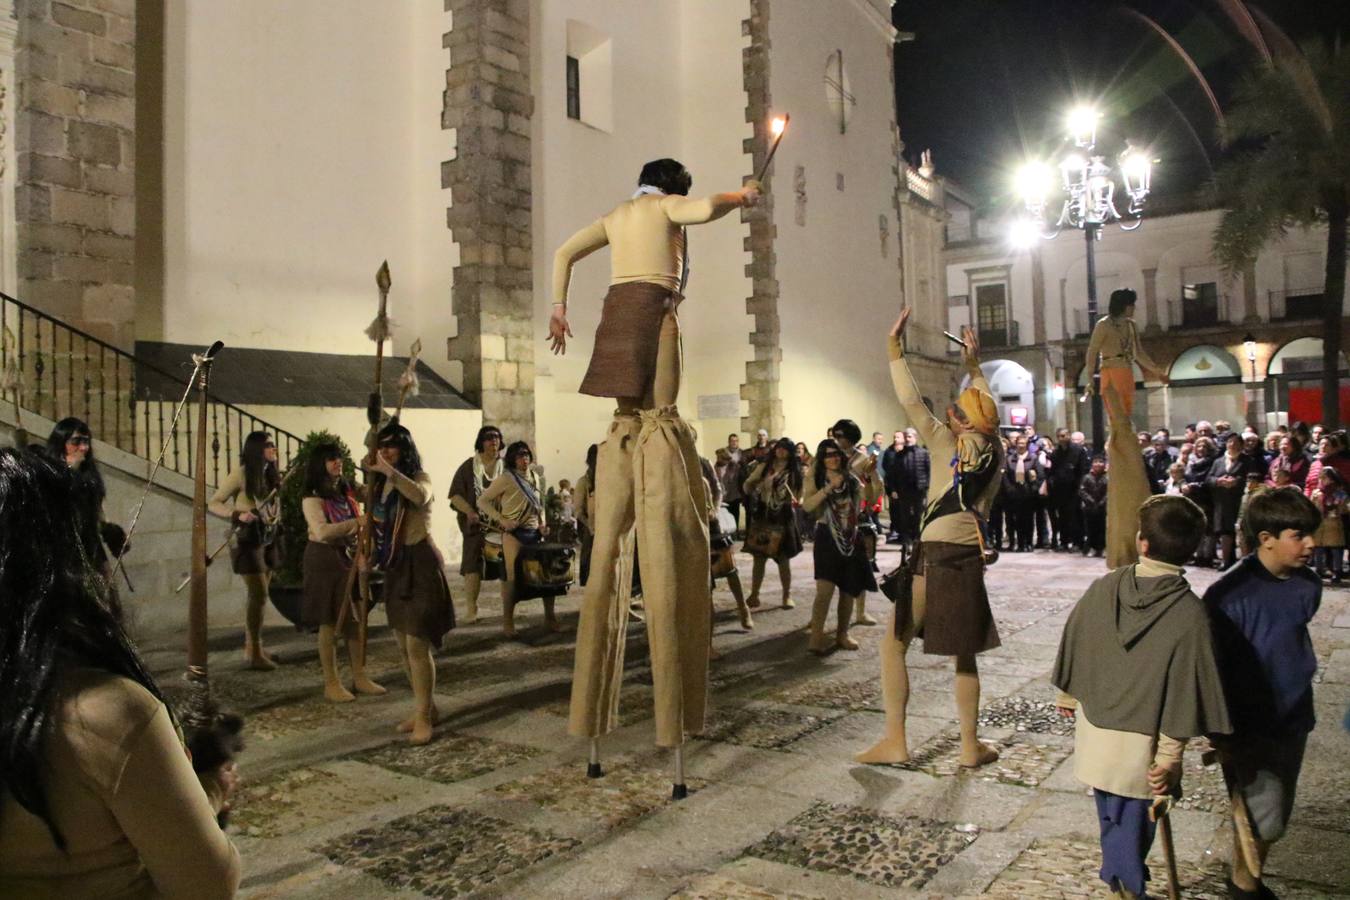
(1249, 346)
(1088, 184)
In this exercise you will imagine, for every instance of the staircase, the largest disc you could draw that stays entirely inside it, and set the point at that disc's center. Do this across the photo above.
(127, 403)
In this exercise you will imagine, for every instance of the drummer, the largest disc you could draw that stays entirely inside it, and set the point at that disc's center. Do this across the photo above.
(514, 504)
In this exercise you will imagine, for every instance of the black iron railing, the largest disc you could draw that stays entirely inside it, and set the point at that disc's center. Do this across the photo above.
(127, 402)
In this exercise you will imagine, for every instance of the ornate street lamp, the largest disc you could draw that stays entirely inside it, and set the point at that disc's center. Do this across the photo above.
(1088, 186)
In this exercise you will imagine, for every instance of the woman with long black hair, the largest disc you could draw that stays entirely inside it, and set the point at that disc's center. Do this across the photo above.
(776, 488)
(247, 497)
(72, 443)
(416, 594)
(332, 516)
(97, 795)
(840, 557)
(514, 503)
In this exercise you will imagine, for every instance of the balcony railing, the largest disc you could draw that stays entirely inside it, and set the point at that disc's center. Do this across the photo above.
(1297, 304)
(1189, 314)
(126, 402)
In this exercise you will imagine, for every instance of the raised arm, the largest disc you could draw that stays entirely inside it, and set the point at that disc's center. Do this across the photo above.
(906, 391)
(696, 211)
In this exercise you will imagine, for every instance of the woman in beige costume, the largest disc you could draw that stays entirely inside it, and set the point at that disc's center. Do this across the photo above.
(514, 503)
(240, 499)
(1116, 341)
(648, 481)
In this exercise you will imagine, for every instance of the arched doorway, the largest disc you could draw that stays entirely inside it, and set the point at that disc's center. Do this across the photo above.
(1141, 417)
(1206, 384)
(1014, 391)
(1294, 383)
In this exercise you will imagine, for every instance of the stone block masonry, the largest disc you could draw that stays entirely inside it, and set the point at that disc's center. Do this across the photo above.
(488, 103)
(763, 373)
(76, 120)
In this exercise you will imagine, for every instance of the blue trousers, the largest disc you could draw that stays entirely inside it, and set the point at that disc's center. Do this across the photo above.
(1127, 834)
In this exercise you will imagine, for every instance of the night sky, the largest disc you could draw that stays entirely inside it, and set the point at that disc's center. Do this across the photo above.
(985, 83)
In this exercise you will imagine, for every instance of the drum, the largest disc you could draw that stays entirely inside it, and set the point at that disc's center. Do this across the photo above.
(544, 570)
(494, 559)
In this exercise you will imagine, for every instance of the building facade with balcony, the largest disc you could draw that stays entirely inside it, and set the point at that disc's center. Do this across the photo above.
(1030, 309)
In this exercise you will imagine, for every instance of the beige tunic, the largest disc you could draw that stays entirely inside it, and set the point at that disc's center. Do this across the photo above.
(504, 503)
(416, 493)
(232, 497)
(323, 531)
(645, 236)
(1117, 340)
(122, 791)
(1118, 761)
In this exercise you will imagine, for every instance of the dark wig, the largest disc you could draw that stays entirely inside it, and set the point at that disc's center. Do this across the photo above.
(1121, 299)
(484, 433)
(514, 451)
(317, 482)
(55, 615)
(395, 435)
(592, 454)
(825, 447)
(91, 480)
(260, 476)
(668, 175)
(794, 464)
(852, 433)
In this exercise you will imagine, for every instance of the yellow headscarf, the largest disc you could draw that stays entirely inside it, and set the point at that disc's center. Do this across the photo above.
(980, 410)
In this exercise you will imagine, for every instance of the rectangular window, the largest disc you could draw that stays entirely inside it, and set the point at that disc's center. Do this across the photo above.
(1199, 305)
(991, 312)
(573, 88)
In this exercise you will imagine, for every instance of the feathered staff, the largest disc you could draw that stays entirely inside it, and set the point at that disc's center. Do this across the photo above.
(378, 331)
(408, 383)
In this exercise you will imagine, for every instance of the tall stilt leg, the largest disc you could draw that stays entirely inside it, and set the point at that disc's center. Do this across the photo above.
(680, 790)
(593, 769)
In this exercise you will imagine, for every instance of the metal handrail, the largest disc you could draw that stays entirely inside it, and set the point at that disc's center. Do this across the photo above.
(119, 410)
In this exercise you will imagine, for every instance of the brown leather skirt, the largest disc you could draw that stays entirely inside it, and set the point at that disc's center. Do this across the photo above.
(416, 594)
(325, 571)
(957, 620)
(254, 559)
(623, 363)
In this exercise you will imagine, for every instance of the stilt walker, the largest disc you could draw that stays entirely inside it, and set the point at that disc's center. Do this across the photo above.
(649, 489)
(1129, 483)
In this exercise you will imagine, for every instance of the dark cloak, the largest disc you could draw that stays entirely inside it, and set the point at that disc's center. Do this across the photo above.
(1138, 656)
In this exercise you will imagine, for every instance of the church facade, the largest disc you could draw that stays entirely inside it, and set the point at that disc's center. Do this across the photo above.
(189, 172)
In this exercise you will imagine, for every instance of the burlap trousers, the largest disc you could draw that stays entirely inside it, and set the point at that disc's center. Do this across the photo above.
(648, 489)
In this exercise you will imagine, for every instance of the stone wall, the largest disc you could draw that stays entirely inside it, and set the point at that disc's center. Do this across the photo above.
(75, 203)
(763, 373)
(488, 103)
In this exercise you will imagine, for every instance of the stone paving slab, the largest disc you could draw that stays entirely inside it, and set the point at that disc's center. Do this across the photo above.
(630, 788)
(449, 758)
(866, 846)
(445, 852)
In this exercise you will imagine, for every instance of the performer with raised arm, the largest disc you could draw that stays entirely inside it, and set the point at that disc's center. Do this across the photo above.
(648, 480)
(1115, 340)
(955, 621)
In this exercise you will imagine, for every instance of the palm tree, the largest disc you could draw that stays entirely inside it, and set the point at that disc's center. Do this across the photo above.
(1289, 137)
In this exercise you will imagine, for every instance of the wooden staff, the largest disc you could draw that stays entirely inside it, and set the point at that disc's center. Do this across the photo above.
(377, 331)
(200, 711)
(1161, 812)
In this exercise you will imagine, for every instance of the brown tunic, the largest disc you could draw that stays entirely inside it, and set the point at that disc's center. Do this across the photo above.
(623, 362)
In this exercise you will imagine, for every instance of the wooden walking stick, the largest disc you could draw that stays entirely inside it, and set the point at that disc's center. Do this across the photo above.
(1161, 812)
(1242, 818)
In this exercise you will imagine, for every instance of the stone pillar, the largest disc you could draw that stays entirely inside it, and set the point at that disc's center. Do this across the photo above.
(1037, 296)
(763, 373)
(75, 205)
(488, 103)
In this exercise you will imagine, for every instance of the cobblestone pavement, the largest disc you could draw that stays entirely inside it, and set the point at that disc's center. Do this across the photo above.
(336, 805)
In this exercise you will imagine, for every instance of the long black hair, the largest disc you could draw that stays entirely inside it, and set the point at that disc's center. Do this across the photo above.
(317, 482)
(1121, 300)
(91, 480)
(260, 476)
(829, 445)
(592, 454)
(484, 433)
(55, 614)
(794, 465)
(395, 435)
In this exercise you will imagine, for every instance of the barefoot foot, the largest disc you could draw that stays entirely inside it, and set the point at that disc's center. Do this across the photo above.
(891, 751)
(789, 603)
(421, 732)
(864, 619)
(336, 693)
(260, 662)
(407, 725)
(752, 601)
(844, 642)
(747, 621)
(984, 755)
(364, 685)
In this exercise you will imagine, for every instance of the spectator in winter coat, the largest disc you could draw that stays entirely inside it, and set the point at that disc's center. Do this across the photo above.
(1022, 477)
(1157, 463)
(1068, 465)
(1092, 497)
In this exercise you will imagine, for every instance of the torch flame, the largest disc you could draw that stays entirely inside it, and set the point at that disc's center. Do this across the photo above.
(778, 125)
